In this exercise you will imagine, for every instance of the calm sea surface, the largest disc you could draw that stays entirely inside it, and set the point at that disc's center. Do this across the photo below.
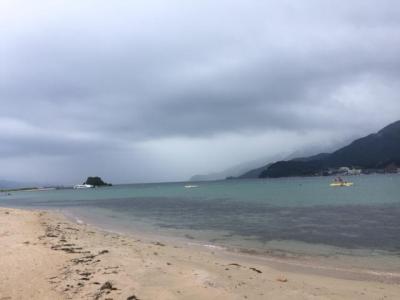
(296, 215)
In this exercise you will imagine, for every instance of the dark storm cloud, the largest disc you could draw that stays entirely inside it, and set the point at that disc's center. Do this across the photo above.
(116, 74)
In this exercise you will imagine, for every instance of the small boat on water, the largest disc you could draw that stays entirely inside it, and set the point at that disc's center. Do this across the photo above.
(190, 186)
(339, 182)
(83, 186)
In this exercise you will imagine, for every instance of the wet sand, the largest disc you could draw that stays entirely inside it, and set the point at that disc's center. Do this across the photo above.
(43, 255)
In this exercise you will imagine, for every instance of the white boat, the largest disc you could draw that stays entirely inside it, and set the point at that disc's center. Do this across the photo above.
(83, 186)
(340, 184)
(191, 186)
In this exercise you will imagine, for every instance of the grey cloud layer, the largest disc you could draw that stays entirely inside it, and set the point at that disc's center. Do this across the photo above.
(134, 72)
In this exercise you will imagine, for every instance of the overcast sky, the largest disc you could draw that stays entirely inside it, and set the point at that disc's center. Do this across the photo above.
(138, 91)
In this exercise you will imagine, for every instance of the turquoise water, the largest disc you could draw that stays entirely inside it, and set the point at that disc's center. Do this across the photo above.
(300, 215)
(371, 189)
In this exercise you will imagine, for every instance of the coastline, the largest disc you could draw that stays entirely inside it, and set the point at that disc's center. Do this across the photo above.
(46, 256)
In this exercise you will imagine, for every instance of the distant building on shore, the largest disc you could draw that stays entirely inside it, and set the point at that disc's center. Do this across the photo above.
(349, 171)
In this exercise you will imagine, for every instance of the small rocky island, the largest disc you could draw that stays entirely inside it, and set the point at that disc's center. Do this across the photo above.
(96, 181)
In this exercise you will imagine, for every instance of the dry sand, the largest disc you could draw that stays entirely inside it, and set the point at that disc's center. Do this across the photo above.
(45, 256)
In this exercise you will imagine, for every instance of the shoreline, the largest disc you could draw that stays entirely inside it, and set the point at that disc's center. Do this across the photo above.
(338, 265)
(54, 258)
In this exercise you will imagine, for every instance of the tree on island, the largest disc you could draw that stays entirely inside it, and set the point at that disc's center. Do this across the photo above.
(96, 181)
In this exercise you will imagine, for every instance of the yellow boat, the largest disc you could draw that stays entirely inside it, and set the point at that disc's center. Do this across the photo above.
(340, 184)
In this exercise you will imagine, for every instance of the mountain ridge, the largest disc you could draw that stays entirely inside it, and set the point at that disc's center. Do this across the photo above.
(374, 151)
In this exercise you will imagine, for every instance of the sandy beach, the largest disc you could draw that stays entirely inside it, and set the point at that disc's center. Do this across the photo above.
(46, 256)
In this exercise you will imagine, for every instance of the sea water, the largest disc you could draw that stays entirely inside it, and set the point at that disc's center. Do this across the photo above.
(285, 217)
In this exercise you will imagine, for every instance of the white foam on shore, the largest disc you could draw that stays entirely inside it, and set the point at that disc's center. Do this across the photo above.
(72, 217)
(79, 221)
(213, 247)
(209, 246)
